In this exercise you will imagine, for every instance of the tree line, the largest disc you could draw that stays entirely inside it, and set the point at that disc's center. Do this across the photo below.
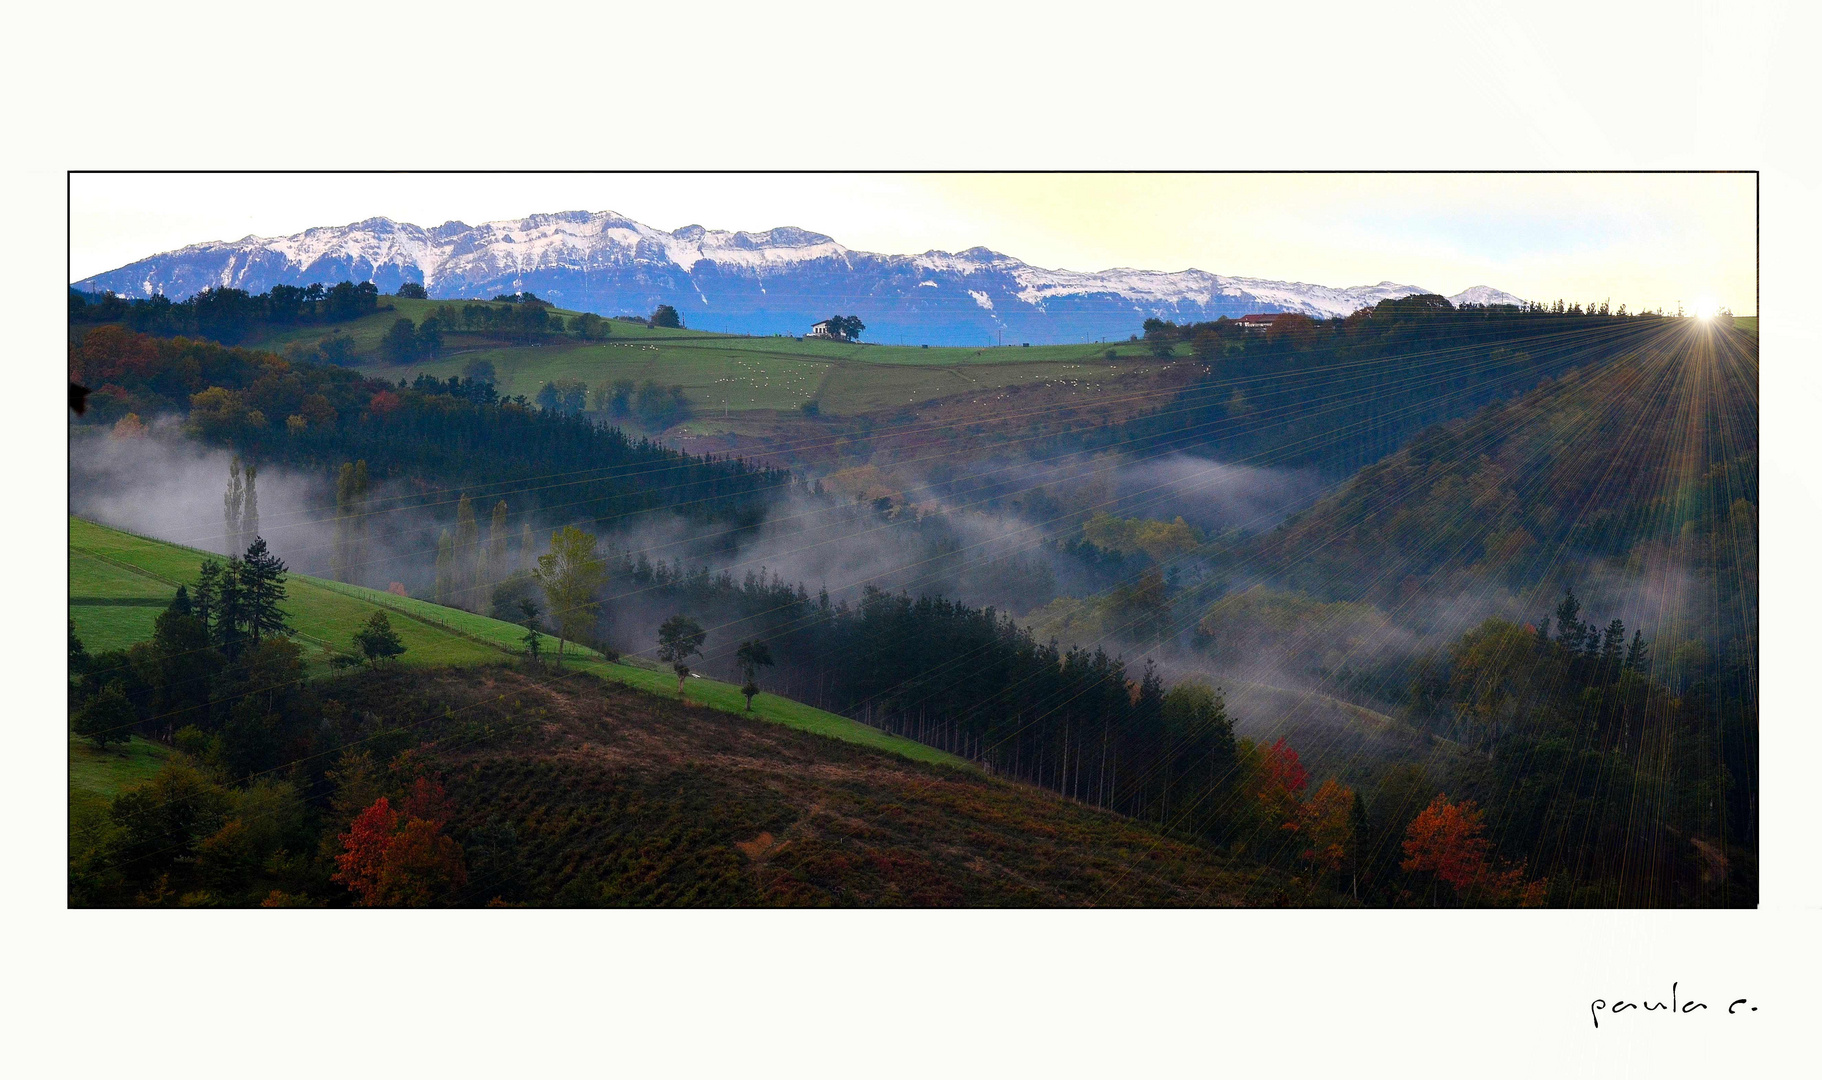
(230, 315)
(456, 434)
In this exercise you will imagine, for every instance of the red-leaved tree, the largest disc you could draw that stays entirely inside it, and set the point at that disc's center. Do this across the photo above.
(402, 859)
(364, 848)
(1448, 839)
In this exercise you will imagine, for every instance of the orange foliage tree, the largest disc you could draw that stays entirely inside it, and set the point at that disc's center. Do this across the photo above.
(1448, 839)
(1327, 826)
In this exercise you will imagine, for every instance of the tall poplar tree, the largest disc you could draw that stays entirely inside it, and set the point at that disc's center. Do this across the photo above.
(249, 514)
(467, 543)
(232, 502)
(445, 566)
(494, 560)
(571, 573)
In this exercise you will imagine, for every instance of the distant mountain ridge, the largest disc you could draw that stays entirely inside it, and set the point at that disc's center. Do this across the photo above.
(780, 280)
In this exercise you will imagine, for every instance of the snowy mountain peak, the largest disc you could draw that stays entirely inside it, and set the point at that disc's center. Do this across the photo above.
(781, 279)
(1484, 294)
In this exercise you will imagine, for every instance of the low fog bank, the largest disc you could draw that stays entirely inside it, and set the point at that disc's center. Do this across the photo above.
(168, 487)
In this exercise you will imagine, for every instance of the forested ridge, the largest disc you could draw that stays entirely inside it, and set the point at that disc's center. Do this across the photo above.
(454, 434)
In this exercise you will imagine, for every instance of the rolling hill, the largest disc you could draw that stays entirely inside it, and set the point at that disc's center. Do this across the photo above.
(119, 582)
(592, 786)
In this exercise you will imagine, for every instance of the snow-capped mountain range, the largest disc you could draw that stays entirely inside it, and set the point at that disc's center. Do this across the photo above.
(778, 281)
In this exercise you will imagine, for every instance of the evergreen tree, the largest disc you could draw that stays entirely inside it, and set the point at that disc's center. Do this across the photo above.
(229, 629)
(1638, 653)
(528, 550)
(1570, 631)
(1613, 643)
(262, 577)
(208, 591)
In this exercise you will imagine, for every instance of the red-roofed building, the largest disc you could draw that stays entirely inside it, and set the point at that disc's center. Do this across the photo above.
(1258, 322)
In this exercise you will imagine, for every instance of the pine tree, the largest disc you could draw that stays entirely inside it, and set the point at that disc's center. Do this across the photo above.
(1613, 642)
(528, 550)
(228, 631)
(208, 590)
(1569, 628)
(1638, 653)
(262, 576)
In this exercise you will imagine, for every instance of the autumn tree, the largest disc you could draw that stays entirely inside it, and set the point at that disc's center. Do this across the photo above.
(363, 854)
(1282, 778)
(401, 858)
(1448, 840)
(679, 638)
(570, 574)
(1328, 827)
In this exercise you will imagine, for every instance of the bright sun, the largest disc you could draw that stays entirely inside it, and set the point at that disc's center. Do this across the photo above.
(1706, 309)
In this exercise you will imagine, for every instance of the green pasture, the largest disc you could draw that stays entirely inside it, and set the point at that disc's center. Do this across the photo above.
(730, 373)
(99, 775)
(109, 564)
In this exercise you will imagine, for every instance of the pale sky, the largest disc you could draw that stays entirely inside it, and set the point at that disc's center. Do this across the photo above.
(1641, 239)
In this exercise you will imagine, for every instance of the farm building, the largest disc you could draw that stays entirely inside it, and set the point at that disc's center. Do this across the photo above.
(823, 329)
(1258, 322)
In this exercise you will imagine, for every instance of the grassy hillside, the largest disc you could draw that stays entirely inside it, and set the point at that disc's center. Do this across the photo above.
(119, 582)
(727, 373)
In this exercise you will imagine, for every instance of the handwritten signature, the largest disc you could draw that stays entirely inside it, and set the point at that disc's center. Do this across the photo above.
(1598, 1005)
